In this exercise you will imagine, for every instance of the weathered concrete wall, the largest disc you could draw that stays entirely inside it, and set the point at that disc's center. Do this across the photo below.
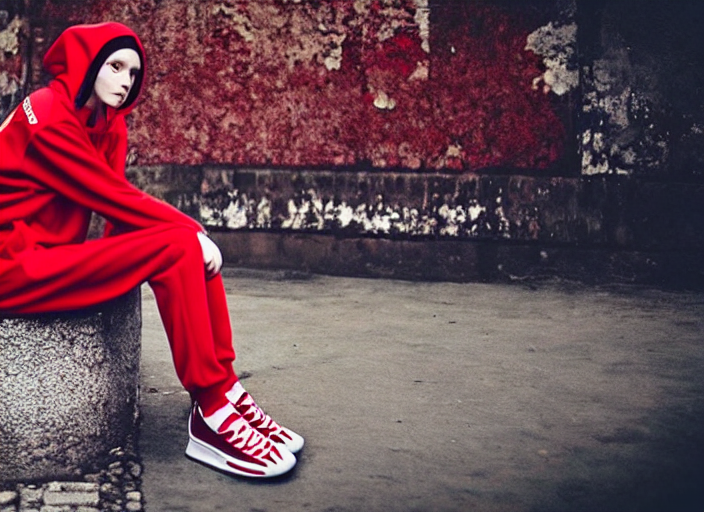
(622, 213)
(444, 226)
(287, 83)
(68, 389)
(552, 124)
(642, 105)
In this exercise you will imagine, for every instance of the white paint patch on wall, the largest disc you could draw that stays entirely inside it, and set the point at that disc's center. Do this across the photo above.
(10, 45)
(309, 212)
(556, 45)
(621, 134)
(332, 55)
(8, 86)
(239, 21)
(422, 18)
(9, 37)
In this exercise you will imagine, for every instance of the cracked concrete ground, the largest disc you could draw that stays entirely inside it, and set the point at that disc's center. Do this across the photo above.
(448, 397)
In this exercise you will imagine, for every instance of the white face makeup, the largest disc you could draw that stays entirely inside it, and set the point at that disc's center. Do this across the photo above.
(116, 77)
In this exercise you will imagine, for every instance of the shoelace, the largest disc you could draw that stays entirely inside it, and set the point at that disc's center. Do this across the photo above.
(245, 438)
(257, 418)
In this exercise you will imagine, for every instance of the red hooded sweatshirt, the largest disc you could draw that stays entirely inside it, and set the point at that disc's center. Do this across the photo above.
(55, 169)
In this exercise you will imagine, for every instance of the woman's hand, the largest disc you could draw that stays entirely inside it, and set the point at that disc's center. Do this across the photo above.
(212, 257)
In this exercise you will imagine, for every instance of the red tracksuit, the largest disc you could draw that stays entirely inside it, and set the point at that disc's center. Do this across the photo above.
(55, 169)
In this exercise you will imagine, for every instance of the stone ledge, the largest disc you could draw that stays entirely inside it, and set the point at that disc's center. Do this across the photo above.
(622, 212)
(69, 386)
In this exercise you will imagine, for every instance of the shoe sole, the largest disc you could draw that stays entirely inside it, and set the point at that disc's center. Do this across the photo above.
(216, 459)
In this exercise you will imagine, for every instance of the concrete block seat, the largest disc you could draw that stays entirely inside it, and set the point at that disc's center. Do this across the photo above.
(69, 385)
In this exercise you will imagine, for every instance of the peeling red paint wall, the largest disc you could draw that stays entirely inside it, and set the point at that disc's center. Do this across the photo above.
(335, 83)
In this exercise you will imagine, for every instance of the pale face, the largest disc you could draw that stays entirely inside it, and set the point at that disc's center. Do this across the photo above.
(116, 78)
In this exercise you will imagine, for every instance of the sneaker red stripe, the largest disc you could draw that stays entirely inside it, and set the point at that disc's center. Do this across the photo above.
(245, 470)
(229, 421)
(203, 433)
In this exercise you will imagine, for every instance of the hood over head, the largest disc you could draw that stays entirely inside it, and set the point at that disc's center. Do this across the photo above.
(78, 53)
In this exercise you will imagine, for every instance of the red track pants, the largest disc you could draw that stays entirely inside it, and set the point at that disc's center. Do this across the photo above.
(193, 310)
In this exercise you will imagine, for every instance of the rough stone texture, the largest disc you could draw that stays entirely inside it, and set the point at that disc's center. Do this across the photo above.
(68, 389)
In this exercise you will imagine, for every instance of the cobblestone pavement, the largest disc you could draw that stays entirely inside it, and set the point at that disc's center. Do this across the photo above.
(115, 488)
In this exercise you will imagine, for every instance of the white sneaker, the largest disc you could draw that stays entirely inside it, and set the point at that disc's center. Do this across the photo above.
(236, 448)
